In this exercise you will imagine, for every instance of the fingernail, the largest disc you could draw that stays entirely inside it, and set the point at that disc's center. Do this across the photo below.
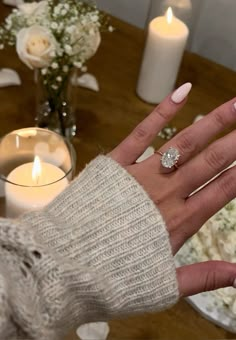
(234, 284)
(235, 106)
(181, 93)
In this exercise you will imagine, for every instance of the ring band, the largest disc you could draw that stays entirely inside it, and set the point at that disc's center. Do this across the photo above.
(169, 159)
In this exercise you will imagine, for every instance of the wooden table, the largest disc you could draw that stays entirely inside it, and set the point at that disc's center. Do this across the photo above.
(104, 119)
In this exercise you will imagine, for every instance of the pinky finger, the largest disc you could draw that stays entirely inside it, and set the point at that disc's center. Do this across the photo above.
(205, 276)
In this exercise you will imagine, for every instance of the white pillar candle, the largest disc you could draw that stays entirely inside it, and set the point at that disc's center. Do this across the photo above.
(38, 184)
(166, 40)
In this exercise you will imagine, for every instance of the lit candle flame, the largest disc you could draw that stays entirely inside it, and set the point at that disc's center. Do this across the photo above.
(169, 15)
(37, 169)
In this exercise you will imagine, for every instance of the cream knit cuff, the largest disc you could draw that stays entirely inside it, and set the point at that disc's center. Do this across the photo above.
(106, 224)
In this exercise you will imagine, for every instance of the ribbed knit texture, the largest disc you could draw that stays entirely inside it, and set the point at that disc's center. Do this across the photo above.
(99, 251)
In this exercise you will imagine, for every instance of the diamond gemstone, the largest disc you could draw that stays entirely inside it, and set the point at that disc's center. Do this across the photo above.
(170, 158)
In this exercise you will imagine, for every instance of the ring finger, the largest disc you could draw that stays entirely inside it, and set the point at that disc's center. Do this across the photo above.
(209, 163)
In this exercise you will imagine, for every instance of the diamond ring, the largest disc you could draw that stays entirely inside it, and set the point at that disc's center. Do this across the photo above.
(169, 159)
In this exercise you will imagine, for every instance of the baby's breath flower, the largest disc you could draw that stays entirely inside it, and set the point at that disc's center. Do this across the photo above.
(65, 68)
(54, 25)
(63, 12)
(54, 87)
(68, 49)
(84, 69)
(111, 29)
(59, 79)
(52, 54)
(70, 29)
(1, 46)
(44, 71)
(94, 18)
(61, 26)
(55, 65)
(60, 53)
(77, 64)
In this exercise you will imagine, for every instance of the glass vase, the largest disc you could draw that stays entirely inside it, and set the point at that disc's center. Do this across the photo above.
(54, 105)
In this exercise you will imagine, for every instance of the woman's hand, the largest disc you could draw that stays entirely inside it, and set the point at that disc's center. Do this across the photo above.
(184, 212)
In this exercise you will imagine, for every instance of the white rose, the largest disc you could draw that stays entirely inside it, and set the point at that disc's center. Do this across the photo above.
(35, 46)
(34, 8)
(92, 44)
(87, 42)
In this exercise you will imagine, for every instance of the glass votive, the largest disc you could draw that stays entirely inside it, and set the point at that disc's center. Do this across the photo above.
(36, 165)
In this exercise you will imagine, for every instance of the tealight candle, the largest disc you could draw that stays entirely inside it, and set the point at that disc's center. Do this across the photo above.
(32, 186)
(167, 37)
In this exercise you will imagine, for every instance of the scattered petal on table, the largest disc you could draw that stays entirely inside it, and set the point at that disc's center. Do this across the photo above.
(93, 331)
(87, 80)
(197, 118)
(9, 77)
(149, 152)
(13, 3)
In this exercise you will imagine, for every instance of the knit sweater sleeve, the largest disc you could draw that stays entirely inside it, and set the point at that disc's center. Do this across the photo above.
(99, 251)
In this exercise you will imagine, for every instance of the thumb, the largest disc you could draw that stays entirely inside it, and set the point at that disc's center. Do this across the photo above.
(205, 276)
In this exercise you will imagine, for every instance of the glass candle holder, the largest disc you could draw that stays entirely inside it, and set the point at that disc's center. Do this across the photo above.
(182, 9)
(36, 165)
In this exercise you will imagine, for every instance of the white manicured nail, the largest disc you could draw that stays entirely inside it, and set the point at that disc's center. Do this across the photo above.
(181, 93)
(235, 106)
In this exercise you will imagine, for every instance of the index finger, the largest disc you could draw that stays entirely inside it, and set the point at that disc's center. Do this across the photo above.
(128, 151)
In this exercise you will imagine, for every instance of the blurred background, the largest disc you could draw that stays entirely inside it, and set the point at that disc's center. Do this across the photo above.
(212, 23)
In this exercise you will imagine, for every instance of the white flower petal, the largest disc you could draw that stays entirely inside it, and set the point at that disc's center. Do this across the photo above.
(95, 330)
(9, 77)
(147, 153)
(197, 118)
(87, 81)
(13, 3)
(33, 8)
